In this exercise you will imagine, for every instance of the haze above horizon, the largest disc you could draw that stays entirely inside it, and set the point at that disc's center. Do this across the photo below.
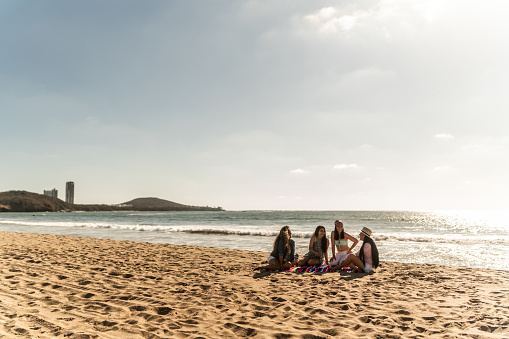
(255, 105)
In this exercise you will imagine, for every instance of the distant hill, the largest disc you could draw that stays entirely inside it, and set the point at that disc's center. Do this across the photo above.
(22, 201)
(156, 204)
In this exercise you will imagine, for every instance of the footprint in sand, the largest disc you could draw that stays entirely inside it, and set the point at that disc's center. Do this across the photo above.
(332, 332)
(163, 310)
(404, 312)
(241, 331)
(282, 335)
(420, 329)
(127, 297)
(489, 329)
(137, 308)
(366, 320)
(313, 311)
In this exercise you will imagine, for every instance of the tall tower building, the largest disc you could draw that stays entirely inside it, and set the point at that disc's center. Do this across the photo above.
(51, 193)
(69, 192)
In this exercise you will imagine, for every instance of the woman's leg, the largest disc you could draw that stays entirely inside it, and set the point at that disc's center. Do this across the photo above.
(357, 262)
(286, 265)
(314, 262)
(303, 261)
(273, 265)
(351, 261)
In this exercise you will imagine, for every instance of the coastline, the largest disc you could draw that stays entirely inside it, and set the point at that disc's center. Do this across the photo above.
(62, 286)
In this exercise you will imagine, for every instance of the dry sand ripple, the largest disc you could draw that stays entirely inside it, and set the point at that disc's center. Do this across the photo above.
(56, 286)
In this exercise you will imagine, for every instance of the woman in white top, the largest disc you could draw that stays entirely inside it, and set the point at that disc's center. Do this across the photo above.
(340, 238)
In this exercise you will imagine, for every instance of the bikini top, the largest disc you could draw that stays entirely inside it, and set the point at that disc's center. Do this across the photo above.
(343, 242)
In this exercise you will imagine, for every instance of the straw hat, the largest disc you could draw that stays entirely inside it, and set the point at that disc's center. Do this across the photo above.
(366, 231)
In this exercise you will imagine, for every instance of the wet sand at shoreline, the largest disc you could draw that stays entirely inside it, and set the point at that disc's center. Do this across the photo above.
(59, 286)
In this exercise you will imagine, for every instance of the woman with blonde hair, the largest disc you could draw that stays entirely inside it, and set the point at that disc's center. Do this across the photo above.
(283, 251)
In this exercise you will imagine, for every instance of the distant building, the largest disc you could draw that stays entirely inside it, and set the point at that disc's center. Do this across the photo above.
(53, 193)
(69, 192)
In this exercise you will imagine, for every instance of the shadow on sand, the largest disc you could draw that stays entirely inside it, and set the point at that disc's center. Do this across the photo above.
(344, 275)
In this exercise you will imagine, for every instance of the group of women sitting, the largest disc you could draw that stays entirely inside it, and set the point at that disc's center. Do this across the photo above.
(283, 255)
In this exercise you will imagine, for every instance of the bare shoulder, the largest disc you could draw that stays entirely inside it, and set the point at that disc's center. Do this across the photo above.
(349, 237)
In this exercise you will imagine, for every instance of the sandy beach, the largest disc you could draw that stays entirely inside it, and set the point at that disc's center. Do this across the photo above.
(67, 287)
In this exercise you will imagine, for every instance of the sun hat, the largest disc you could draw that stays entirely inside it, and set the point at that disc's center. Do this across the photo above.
(366, 231)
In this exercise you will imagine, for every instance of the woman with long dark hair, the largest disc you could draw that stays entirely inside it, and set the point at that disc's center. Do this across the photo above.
(318, 246)
(283, 251)
(340, 242)
(368, 253)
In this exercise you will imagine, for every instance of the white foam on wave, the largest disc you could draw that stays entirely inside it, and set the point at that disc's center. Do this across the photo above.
(199, 229)
(97, 225)
(244, 231)
(268, 231)
(445, 238)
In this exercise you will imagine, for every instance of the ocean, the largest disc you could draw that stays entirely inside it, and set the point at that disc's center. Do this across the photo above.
(455, 238)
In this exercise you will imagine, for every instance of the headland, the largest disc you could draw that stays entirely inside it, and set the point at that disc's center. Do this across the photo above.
(23, 201)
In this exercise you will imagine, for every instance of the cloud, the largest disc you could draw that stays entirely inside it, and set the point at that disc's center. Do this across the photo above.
(345, 166)
(328, 20)
(299, 171)
(444, 136)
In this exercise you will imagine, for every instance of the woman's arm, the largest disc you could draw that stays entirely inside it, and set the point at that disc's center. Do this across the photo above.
(367, 254)
(352, 239)
(292, 250)
(311, 244)
(327, 253)
(333, 245)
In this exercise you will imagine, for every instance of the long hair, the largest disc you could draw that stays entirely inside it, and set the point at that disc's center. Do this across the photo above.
(338, 235)
(285, 237)
(324, 239)
(374, 251)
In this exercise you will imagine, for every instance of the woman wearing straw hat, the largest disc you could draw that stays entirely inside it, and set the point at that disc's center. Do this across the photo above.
(368, 253)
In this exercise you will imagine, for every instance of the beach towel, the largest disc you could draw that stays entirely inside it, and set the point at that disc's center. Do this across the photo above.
(317, 269)
(314, 269)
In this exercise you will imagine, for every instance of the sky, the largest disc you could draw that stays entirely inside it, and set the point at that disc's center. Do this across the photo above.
(258, 105)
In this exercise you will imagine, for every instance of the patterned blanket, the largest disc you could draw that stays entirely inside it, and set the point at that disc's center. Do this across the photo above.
(317, 269)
